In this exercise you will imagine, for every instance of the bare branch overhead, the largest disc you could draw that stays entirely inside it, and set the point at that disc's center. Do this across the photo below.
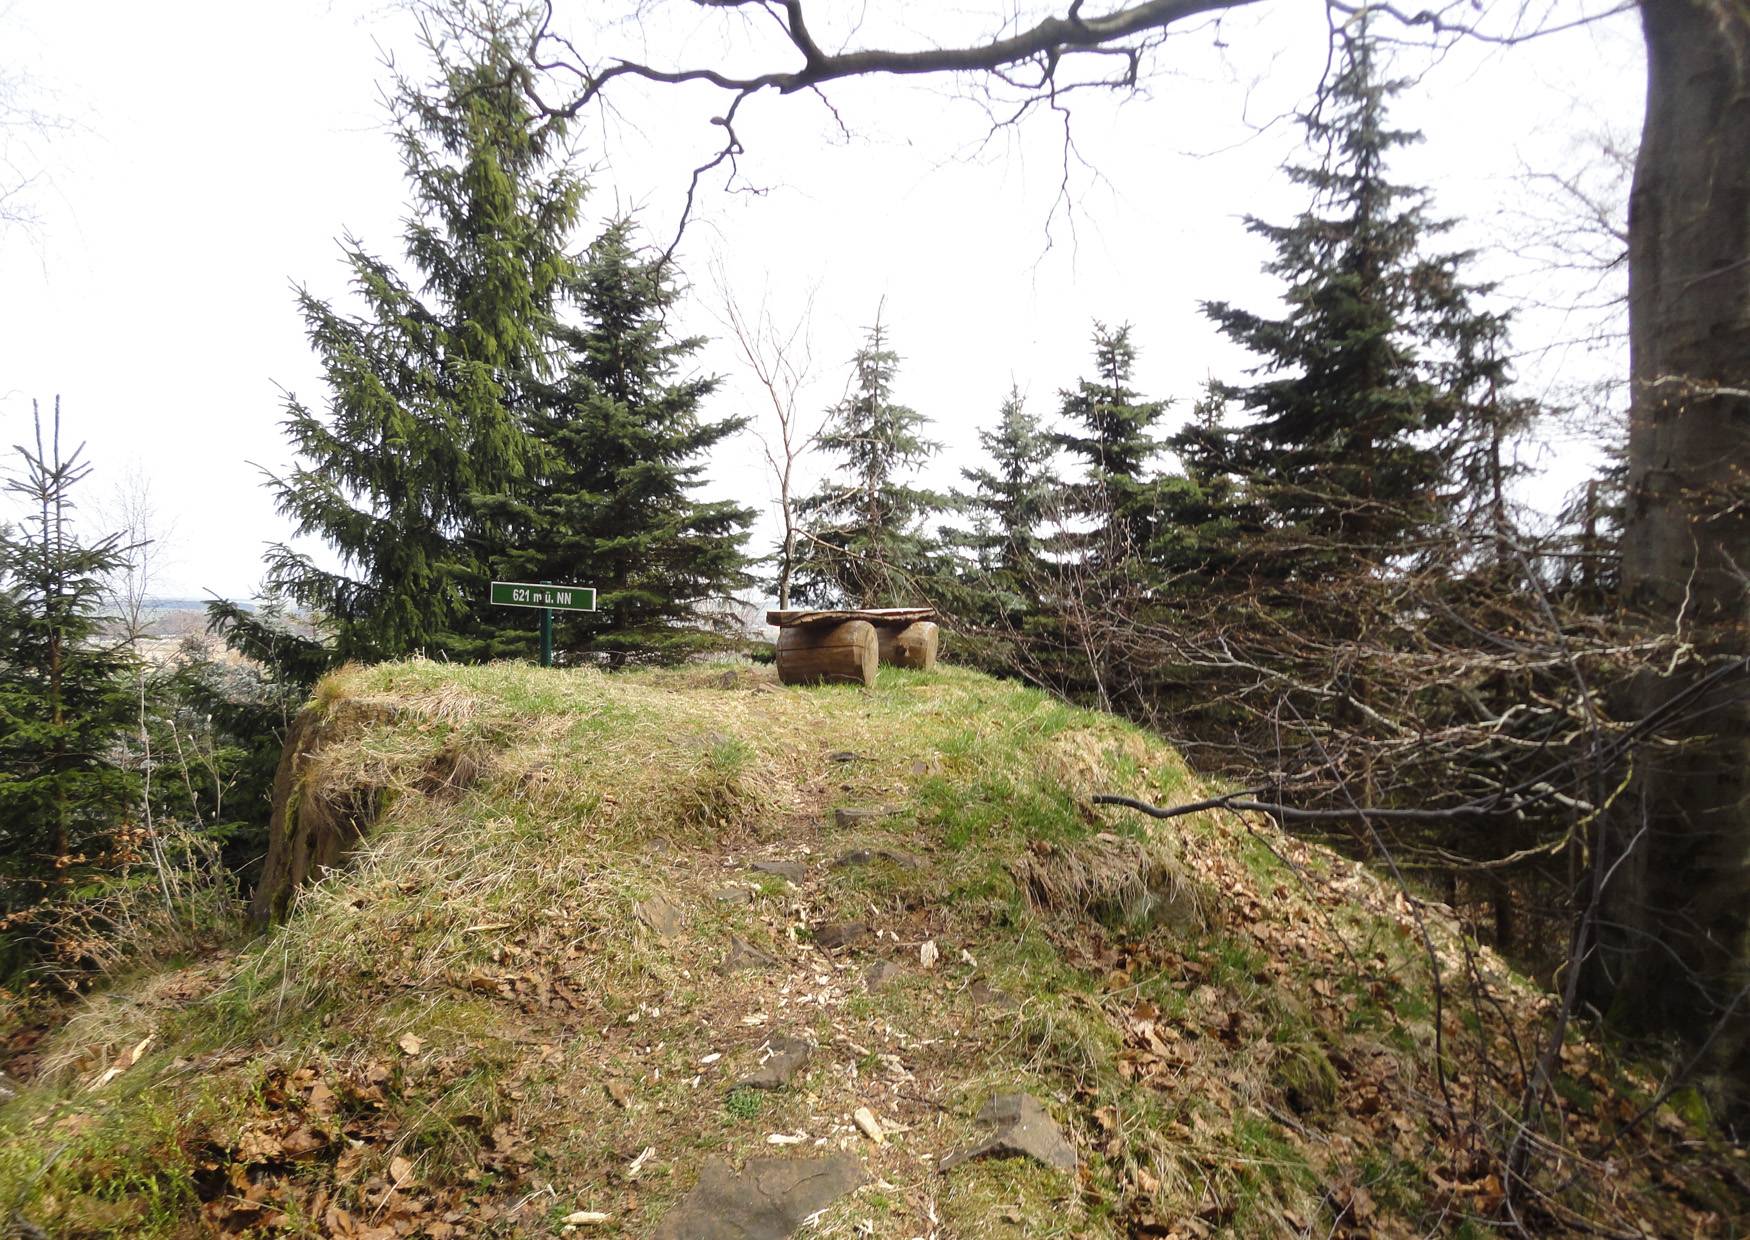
(1047, 42)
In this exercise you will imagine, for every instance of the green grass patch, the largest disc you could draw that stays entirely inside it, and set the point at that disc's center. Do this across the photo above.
(519, 816)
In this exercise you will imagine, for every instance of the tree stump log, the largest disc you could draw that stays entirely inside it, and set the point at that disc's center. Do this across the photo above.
(913, 646)
(843, 654)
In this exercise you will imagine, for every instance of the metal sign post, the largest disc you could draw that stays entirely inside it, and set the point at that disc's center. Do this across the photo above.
(548, 598)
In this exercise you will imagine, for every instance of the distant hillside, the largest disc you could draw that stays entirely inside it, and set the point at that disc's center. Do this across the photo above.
(684, 953)
(158, 606)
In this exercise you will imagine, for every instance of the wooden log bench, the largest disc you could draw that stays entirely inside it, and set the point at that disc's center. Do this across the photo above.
(845, 646)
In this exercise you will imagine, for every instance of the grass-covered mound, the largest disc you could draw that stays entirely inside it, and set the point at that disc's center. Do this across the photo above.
(508, 1006)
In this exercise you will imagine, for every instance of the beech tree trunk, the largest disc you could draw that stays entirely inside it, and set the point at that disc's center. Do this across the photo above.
(1675, 937)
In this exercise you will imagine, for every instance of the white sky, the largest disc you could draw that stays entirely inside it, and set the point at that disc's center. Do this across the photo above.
(215, 151)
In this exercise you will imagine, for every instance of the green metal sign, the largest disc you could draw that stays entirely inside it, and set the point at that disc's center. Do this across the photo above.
(548, 598)
(524, 594)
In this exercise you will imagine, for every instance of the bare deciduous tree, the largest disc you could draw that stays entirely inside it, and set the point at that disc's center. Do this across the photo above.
(25, 125)
(781, 360)
(132, 514)
(1685, 852)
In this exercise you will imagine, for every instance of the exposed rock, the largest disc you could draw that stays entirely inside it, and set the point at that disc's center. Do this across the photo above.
(313, 826)
(662, 915)
(781, 1058)
(846, 817)
(881, 974)
(983, 994)
(1120, 883)
(834, 935)
(868, 856)
(732, 895)
(23, 1229)
(767, 1200)
(869, 1124)
(1306, 1076)
(1023, 1127)
(744, 955)
(844, 755)
(794, 871)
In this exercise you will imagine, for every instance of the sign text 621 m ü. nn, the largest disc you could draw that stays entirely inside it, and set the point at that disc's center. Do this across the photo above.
(524, 594)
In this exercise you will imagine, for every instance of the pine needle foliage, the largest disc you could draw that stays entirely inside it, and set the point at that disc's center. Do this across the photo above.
(865, 541)
(624, 448)
(1339, 437)
(1011, 501)
(66, 700)
(427, 382)
(1112, 434)
(1211, 516)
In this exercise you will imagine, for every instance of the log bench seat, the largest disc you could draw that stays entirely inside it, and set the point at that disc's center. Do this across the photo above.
(846, 645)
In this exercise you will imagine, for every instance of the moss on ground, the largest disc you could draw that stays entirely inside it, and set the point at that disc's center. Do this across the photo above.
(467, 1026)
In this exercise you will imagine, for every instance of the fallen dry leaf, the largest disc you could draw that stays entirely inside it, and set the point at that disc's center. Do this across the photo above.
(411, 1043)
(123, 1062)
(870, 1125)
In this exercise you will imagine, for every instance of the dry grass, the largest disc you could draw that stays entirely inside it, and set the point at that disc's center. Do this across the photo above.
(1174, 999)
(1118, 883)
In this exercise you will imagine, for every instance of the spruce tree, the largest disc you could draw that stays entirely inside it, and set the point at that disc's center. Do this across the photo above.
(1209, 516)
(1112, 434)
(427, 385)
(623, 448)
(1338, 440)
(1342, 523)
(1479, 465)
(864, 541)
(66, 700)
(1010, 503)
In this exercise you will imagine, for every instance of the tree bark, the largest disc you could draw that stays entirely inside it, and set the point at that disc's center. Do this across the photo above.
(1675, 948)
(912, 646)
(828, 654)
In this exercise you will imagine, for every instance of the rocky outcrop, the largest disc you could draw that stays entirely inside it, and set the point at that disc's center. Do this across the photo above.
(307, 833)
(322, 808)
(1022, 1127)
(767, 1199)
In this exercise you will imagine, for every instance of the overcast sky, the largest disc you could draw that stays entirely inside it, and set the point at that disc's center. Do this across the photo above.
(213, 152)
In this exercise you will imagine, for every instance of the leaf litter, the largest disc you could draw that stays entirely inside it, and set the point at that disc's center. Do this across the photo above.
(1266, 1063)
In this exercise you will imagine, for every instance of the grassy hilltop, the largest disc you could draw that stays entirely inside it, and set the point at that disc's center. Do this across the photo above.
(509, 1006)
